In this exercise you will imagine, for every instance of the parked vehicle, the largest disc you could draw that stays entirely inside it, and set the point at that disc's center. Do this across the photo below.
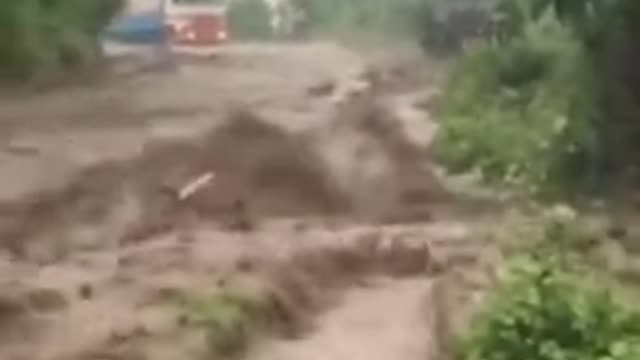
(196, 26)
(138, 28)
(184, 26)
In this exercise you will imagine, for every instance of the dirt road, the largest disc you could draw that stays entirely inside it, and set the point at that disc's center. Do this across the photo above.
(120, 199)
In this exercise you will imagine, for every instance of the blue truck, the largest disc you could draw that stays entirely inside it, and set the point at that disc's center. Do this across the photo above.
(142, 28)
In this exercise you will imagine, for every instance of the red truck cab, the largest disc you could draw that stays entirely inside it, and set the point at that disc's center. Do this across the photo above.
(196, 26)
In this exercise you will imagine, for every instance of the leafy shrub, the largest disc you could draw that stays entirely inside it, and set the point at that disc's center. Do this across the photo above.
(544, 312)
(547, 308)
(590, 84)
(519, 113)
(39, 36)
(229, 321)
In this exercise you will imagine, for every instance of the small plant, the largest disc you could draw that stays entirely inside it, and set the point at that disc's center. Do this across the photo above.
(230, 321)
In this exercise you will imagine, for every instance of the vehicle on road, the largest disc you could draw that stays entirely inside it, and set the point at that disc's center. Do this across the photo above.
(196, 27)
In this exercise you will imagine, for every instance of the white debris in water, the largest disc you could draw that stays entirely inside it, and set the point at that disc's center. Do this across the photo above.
(195, 185)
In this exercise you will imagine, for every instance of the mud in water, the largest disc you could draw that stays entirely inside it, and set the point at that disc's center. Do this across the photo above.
(300, 216)
(387, 176)
(258, 165)
(360, 164)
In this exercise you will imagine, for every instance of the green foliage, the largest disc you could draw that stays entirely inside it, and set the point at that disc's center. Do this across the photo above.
(250, 20)
(39, 36)
(519, 113)
(506, 97)
(552, 314)
(228, 319)
(549, 308)
(591, 20)
(379, 18)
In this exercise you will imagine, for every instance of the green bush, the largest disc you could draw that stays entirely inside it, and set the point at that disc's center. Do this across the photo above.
(548, 307)
(229, 321)
(554, 64)
(41, 36)
(545, 312)
(519, 113)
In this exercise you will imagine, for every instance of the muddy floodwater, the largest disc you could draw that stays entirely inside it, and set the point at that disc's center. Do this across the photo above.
(302, 170)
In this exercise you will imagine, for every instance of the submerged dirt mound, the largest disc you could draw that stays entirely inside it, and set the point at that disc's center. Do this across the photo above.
(254, 163)
(257, 170)
(373, 159)
(243, 170)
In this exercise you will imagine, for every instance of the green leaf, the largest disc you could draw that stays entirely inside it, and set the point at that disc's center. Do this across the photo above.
(619, 349)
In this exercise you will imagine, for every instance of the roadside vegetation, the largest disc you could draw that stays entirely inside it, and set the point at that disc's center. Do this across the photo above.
(558, 296)
(229, 321)
(373, 18)
(360, 20)
(548, 103)
(40, 38)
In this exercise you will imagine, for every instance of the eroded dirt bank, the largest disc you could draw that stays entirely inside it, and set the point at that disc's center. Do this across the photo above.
(294, 172)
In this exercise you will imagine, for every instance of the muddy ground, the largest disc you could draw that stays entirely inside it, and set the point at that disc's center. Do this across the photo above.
(301, 168)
